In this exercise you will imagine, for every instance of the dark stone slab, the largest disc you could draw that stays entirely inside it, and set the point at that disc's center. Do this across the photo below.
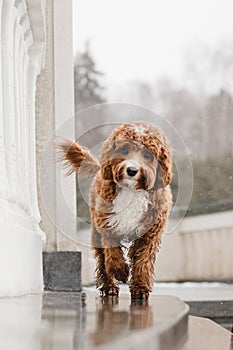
(220, 312)
(62, 271)
(211, 309)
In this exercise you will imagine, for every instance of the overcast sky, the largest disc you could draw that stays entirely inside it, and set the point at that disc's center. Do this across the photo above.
(147, 39)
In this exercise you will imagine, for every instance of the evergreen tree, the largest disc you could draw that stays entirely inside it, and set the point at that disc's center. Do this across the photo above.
(88, 90)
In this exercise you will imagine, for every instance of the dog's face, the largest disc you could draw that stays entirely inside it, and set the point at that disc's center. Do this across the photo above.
(137, 156)
(132, 165)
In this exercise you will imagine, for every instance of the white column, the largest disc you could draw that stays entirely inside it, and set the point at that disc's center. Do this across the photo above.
(64, 109)
(22, 39)
(54, 105)
(4, 186)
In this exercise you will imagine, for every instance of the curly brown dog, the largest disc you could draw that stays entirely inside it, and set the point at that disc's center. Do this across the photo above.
(130, 200)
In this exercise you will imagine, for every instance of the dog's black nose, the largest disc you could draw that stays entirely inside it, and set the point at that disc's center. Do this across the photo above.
(132, 171)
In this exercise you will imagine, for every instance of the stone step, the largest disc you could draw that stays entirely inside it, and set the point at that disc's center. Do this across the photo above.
(204, 334)
(74, 321)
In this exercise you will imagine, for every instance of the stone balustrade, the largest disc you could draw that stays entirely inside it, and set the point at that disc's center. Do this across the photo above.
(200, 249)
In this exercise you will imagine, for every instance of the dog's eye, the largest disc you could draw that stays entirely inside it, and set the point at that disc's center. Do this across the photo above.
(148, 155)
(124, 150)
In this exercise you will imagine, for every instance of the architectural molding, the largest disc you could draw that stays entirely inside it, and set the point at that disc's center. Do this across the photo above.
(22, 46)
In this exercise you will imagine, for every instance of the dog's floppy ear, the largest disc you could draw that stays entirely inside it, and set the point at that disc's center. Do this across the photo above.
(164, 168)
(106, 161)
(106, 171)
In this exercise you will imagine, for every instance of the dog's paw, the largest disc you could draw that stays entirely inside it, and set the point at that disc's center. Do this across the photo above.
(109, 290)
(139, 293)
(120, 272)
(113, 291)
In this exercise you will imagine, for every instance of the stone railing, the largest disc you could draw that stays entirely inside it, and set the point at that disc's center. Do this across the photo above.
(22, 42)
(200, 249)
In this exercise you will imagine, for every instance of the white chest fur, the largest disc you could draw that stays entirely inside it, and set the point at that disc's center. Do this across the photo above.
(128, 209)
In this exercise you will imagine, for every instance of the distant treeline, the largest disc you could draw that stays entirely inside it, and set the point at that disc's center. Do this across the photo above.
(213, 185)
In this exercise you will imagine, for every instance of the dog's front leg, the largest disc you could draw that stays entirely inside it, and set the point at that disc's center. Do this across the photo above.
(115, 264)
(104, 281)
(142, 255)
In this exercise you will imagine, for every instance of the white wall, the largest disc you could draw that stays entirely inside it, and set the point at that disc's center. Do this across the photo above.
(22, 40)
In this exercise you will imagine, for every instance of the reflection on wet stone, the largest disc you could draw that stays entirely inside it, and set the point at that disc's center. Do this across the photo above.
(63, 321)
(141, 315)
(112, 322)
(69, 321)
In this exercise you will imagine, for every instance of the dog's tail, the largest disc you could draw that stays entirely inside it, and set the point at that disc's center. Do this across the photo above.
(76, 159)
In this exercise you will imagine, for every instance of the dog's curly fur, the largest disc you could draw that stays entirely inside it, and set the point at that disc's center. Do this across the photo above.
(130, 198)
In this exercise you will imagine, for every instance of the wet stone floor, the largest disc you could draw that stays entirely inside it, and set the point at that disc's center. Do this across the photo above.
(65, 321)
